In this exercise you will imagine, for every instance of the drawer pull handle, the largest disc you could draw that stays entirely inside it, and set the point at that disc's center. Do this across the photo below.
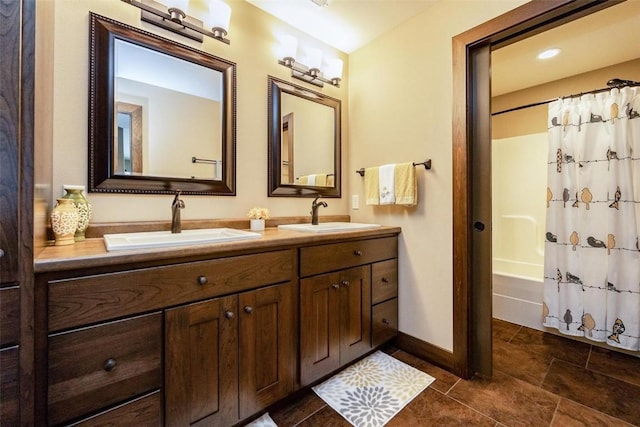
(202, 280)
(386, 321)
(335, 286)
(228, 314)
(248, 309)
(345, 283)
(357, 253)
(109, 364)
(385, 280)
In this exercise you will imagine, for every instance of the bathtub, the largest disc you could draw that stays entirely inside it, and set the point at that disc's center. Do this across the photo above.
(519, 177)
(517, 292)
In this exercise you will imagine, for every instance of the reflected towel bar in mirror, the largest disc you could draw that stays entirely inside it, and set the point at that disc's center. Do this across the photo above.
(426, 164)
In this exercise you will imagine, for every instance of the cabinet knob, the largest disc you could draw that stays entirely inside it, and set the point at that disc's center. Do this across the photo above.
(345, 283)
(228, 314)
(248, 309)
(385, 280)
(109, 364)
(386, 321)
(357, 252)
(202, 280)
(1, 253)
(335, 286)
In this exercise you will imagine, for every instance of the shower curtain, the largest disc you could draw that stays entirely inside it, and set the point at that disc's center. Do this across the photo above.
(592, 253)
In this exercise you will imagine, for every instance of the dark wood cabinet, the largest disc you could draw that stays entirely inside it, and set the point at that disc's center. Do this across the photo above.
(228, 358)
(205, 341)
(99, 366)
(335, 314)
(17, 47)
(268, 347)
(201, 363)
(336, 307)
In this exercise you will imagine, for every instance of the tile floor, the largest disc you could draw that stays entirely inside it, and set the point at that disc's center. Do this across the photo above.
(539, 379)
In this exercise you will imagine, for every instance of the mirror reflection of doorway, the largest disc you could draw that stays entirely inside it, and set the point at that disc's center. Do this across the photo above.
(286, 150)
(128, 153)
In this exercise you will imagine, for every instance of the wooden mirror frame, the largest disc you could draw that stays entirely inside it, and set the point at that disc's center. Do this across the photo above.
(102, 176)
(275, 187)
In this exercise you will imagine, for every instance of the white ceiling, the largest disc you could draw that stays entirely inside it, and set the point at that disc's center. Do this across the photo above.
(605, 38)
(344, 24)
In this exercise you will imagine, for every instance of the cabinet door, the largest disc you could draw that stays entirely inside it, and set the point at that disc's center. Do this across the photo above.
(319, 326)
(201, 367)
(267, 346)
(355, 311)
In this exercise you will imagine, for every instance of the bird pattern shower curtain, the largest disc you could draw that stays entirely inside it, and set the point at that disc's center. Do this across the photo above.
(592, 254)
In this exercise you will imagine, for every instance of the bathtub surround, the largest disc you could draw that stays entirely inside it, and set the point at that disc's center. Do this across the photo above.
(592, 258)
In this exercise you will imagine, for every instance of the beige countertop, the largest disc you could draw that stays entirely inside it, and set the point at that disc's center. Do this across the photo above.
(92, 252)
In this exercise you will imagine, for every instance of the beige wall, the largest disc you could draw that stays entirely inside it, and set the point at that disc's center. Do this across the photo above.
(253, 48)
(400, 110)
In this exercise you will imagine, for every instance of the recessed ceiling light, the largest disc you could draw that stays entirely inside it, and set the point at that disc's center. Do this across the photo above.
(549, 53)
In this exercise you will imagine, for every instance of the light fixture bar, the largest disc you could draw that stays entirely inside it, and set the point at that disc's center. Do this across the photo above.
(189, 27)
(302, 72)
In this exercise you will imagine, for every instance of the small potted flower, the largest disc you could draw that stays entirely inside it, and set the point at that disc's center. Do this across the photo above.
(257, 216)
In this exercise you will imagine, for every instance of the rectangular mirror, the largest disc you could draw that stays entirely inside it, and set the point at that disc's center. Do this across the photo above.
(304, 142)
(162, 115)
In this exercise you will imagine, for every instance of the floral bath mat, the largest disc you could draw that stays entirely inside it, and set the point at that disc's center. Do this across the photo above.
(372, 391)
(263, 421)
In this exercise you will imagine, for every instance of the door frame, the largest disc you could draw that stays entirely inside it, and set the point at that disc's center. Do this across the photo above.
(472, 128)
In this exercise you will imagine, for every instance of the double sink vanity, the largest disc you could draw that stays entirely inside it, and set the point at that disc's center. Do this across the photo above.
(207, 332)
(213, 325)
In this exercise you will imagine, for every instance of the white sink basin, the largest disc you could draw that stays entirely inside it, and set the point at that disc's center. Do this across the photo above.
(328, 227)
(164, 239)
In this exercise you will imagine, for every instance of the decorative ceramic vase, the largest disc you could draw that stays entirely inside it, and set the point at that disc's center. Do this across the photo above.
(257, 224)
(64, 222)
(75, 193)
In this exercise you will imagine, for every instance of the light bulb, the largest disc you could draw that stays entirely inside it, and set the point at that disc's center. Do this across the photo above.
(219, 16)
(288, 47)
(334, 68)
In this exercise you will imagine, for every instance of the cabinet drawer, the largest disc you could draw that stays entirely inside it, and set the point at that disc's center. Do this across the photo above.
(9, 394)
(92, 368)
(384, 280)
(336, 256)
(85, 300)
(145, 411)
(385, 321)
(9, 316)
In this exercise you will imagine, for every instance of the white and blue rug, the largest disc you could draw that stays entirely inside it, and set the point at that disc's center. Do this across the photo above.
(264, 421)
(372, 391)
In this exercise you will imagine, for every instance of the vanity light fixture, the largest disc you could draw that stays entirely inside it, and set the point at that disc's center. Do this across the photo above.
(173, 16)
(312, 71)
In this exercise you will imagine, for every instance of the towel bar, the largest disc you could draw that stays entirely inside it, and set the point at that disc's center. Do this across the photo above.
(426, 164)
(197, 160)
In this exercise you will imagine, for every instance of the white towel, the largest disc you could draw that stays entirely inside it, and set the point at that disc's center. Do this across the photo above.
(311, 180)
(386, 184)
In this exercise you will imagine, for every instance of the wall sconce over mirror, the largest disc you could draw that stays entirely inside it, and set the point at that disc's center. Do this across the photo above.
(172, 16)
(312, 69)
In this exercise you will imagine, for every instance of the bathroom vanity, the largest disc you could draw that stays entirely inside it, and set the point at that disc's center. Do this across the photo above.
(208, 334)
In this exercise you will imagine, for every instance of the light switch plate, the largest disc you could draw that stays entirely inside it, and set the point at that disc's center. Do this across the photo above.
(355, 202)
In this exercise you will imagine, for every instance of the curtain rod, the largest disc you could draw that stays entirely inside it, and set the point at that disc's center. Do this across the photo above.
(611, 84)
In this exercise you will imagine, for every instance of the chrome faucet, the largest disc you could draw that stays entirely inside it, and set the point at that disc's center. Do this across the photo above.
(314, 210)
(176, 205)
